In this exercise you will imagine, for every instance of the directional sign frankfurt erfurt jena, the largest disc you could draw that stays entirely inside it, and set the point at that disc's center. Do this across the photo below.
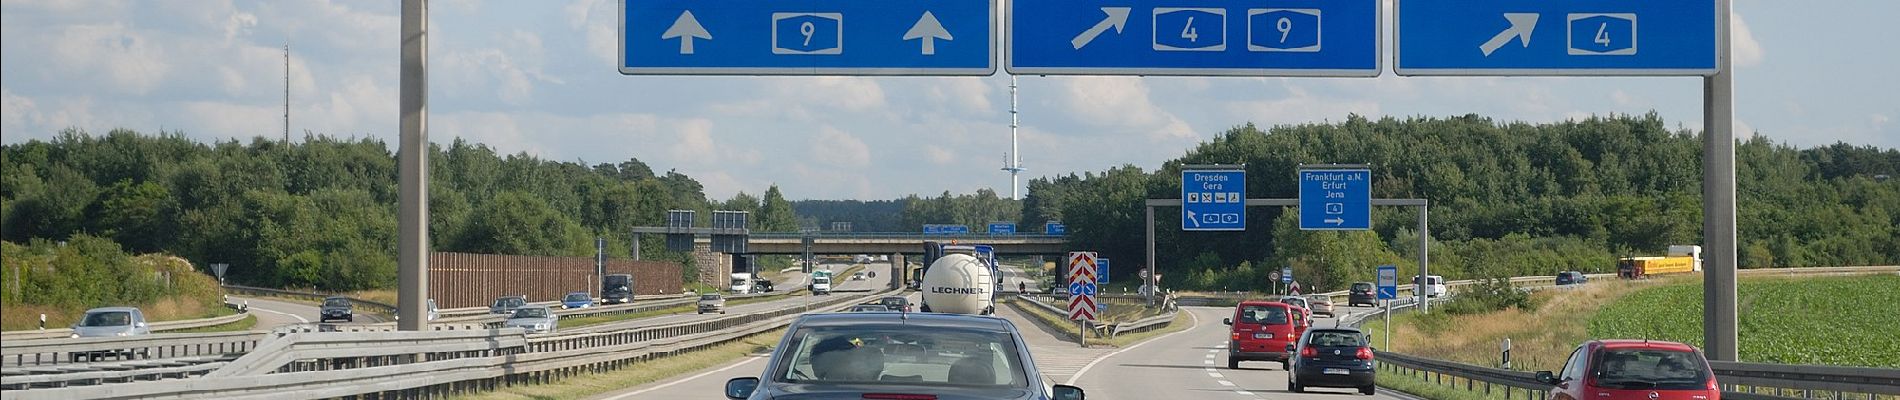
(807, 37)
(1556, 37)
(1214, 200)
(1388, 282)
(1194, 37)
(1081, 273)
(1335, 199)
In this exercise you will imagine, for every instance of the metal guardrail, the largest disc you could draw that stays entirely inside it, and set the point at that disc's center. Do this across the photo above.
(1110, 330)
(378, 307)
(70, 351)
(413, 364)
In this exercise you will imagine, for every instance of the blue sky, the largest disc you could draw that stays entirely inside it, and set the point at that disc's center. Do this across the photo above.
(538, 77)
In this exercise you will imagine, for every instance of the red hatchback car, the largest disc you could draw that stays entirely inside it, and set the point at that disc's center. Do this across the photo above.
(1634, 370)
(1262, 330)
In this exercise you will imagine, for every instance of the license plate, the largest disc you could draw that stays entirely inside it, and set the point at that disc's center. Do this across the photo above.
(1262, 336)
(1336, 371)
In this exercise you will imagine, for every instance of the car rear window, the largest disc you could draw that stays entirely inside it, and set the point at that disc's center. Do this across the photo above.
(1335, 339)
(935, 357)
(107, 318)
(577, 297)
(1362, 287)
(1638, 369)
(535, 312)
(1263, 315)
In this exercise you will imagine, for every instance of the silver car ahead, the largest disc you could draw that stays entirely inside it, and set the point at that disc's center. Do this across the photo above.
(535, 319)
(111, 322)
(900, 356)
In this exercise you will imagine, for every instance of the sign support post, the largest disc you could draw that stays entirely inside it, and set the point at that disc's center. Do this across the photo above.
(1718, 197)
(412, 173)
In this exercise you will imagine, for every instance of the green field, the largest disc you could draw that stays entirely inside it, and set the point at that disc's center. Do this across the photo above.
(1827, 320)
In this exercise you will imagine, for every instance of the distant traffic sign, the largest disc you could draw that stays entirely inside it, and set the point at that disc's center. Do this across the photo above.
(1214, 200)
(1388, 282)
(1002, 228)
(1154, 37)
(1286, 275)
(1101, 271)
(1335, 199)
(807, 37)
(1055, 228)
(946, 229)
(1556, 37)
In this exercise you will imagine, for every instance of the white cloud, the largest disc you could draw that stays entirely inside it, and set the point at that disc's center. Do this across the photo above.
(1879, 121)
(1300, 106)
(1119, 105)
(127, 58)
(939, 155)
(837, 147)
(1744, 49)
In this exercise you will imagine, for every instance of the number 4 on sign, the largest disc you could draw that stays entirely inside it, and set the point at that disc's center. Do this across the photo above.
(1187, 32)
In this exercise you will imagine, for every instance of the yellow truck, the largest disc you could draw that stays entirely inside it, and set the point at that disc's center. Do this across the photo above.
(1639, 267)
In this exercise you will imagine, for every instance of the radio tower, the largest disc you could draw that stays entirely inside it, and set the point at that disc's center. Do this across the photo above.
(286, 93)
(1013, 162)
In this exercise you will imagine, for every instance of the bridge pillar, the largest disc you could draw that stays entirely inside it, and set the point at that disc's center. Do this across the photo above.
(897, 271)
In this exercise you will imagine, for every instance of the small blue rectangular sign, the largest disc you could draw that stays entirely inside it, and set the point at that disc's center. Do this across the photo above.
(1002, 228)
(1055, 228)
(1101, 271)
(1214, 200)
(1388, 282)
(1286, 275)
(807, 37)
(1158, 37)
(1335, 199)
(1555, 37)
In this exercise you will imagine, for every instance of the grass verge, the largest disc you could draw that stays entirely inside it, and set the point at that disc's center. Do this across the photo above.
(245, 324)
(606, 318)
(640, 373)
(1181, 321)
(1430, 390)
(1833, 320)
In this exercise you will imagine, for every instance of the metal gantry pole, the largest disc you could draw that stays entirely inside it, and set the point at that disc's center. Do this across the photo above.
(1424, 258)
(1718, 199)
(412, 223)
(1154, 270)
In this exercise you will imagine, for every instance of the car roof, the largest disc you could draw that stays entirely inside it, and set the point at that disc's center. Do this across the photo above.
(1263, 303)
(925, 320)
(336, 297)
(1644, 344)
(113, 309)
(1336, 329)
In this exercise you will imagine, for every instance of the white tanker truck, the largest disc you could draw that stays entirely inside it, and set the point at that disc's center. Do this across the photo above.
(959, 283)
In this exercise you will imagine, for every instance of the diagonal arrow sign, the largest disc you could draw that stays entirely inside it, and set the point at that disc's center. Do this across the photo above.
(929, 30)
(1117, 18)
(1521, 26)
(685, 29)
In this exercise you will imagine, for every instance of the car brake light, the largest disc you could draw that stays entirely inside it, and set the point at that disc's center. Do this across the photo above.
(1713, 387)
(899, 396)
(1309, 352)
(1365, 353)
(1235, 335)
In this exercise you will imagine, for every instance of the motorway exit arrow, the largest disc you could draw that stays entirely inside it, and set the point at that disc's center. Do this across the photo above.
(1117, 18)
(1335, 220)
(929, 30)
(686, 28)
(1521, 26)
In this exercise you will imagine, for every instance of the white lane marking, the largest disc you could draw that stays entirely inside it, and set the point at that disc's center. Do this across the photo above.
(1215, 375)
(1213, 351)
(1210, 355)
(1209, 369)
(683, 380)
(1221, 347)
(1208, 362)
(1226, 383)
(1244, 393)
(299, 318)
(1193, 322)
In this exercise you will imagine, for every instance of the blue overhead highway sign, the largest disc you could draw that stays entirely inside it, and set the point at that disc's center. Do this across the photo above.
(807, 37)
(1556, 37)
(1335, 199)
(1002, 228)
(1214, 200)
(1155, 37)
(1055, 228)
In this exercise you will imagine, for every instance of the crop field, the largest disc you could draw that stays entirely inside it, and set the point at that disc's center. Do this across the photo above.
(1825, 320)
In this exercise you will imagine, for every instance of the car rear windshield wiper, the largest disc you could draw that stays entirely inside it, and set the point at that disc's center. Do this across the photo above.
(1627, 384)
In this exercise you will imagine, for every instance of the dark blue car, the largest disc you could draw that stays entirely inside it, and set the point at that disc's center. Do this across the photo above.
(1331, 357)
(577, 300)
(900, 355)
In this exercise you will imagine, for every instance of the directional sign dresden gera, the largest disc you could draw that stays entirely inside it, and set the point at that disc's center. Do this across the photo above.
(1335, 199)
(1556, 37)
(807, 37)
(1194, 37)
(1388, 282)
(1214, 200)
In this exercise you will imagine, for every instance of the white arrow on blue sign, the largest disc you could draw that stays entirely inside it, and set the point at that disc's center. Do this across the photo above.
(1335, 199)
(807, 37)
(1556, 37)
(1156, 37)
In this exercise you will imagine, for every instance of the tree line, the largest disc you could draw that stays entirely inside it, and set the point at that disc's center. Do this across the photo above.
(1507, 199)
(321, 213)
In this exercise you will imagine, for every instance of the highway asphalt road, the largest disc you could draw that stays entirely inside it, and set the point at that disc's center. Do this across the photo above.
(869, 284)
(274, 312)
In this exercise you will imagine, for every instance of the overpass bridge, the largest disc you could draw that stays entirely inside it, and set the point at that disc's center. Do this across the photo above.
(894, 243)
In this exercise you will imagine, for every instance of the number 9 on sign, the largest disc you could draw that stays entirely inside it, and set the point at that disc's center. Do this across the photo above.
(1283, 30)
